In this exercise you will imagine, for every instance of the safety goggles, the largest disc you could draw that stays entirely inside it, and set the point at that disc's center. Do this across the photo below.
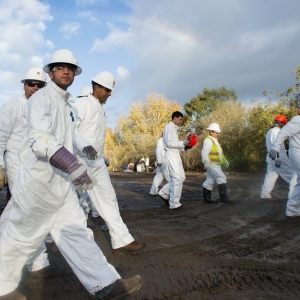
(218, 133)
(38, 84)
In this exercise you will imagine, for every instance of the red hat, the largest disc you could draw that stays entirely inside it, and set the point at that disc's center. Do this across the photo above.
(193, 140)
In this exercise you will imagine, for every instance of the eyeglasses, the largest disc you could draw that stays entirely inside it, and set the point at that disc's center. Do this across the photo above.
(218, 133)
(38, 84)
(61, 68)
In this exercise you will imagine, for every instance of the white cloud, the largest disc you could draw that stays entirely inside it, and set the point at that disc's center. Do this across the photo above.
(171, 47)
(116, 38)
(257, 40)
(89, 16)
(123, 72)
(22, 28)
(70, 29)
(88, 2)
(181, 47)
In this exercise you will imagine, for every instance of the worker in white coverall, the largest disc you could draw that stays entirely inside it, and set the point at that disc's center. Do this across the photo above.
(173, 147)
(213, 158)
(292, 131)
(281, 166)
(44, 196)
(162, 171)
(11, 135)
(92, 126)
(84, 199)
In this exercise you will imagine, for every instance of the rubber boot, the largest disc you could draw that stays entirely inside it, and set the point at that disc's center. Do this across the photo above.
(223, 193)
(207, 197)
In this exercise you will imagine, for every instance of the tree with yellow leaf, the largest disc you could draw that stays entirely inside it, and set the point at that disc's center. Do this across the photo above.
(137, 134)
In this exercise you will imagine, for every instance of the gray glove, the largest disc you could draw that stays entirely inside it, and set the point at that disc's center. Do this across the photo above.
(90, 152)
(278, 162)
(207, 165)
(159, 164)
(185, 142)
(82, 177)
(272, 153)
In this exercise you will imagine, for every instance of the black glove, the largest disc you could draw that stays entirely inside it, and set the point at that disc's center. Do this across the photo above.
(106, 160)
(278, 162)
(187, 148)
(90, 152)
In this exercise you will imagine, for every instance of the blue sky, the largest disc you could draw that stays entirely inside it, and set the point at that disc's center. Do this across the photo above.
(160, 46)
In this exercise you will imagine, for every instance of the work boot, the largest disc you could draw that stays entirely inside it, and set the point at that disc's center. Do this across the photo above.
(223, 193)
(130, 248)
(123, 288)
(164, 197)
(15, 295)
(207, 197)
(46, 272)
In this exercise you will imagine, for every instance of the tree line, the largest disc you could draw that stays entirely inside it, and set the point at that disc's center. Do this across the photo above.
(243, 127)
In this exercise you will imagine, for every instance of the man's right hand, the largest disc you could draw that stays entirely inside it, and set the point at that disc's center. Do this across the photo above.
(2, 178)
(82, 177)
(272, 153)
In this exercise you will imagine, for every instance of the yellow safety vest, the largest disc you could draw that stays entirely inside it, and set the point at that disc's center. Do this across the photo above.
(214, 155)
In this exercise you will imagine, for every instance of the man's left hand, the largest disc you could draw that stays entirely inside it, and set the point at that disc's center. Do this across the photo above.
(90, 152)
(272, 153)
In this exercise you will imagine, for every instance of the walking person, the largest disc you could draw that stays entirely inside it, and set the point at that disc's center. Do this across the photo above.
(282, 166)
(161, 171)
(44, 193)
(173, 146)
(92, 126)
(291, 131)
(11, 135)
(213, 158)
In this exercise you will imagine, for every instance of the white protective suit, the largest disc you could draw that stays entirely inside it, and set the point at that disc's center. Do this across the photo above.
(162, 171)
(285, 171)
(214, 173)
(11, 114)
(92, 126)
(172, 147)
(292, 131)
(46, 201)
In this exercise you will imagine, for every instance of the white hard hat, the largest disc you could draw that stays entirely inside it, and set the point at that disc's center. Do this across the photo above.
(214, 127)
(85, 91)
(34, 73)
(105, 79)
(63, 56)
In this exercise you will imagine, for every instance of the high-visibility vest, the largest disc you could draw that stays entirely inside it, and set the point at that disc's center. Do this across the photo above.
(214, 155)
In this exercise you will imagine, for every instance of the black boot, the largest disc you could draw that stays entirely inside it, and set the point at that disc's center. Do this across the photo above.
(207, 197)
(223, 193)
